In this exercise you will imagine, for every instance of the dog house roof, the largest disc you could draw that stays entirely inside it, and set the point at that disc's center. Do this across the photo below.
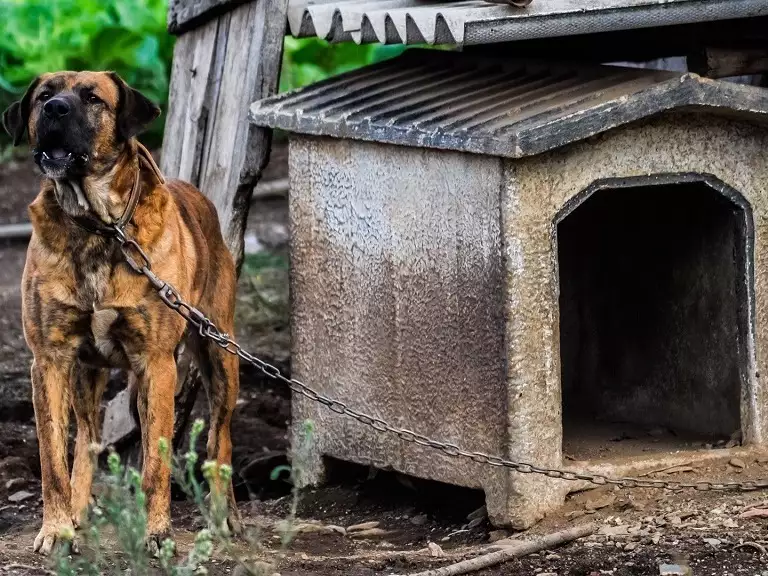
(481, 22)
(446, 100)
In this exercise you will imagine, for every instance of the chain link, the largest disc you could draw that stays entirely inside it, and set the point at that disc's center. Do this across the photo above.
(207, 329)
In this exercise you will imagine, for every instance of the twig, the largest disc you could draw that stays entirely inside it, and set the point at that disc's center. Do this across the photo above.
(658, 470)
(26, 568)
(754, 545)
(513, 551)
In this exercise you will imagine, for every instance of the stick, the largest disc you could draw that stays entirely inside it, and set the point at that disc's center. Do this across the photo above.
(513, 551)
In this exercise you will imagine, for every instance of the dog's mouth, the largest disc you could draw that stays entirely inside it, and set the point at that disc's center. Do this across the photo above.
(57, 162)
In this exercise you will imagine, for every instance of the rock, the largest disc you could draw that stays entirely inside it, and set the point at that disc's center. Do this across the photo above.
(337, 529)
(118, 419)
(738, 463)
(15, 484)
(419, 520)
(656, 538)
(714, 542)
(370, 533)
(497, 535)
(362, 527)
(20, 496)
(674, 570)
(481, 513)
(435, 551)
(547, 574)
(730, 523)
(599, 503)
(475, 523)
(631, 546)
(613, 531)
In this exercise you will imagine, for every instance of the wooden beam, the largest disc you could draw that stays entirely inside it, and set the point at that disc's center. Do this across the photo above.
(726, 62)
(184, 15)
(219, 69)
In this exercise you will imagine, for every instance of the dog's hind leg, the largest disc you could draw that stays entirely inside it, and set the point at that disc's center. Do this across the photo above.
(88, 385)
(220, 372)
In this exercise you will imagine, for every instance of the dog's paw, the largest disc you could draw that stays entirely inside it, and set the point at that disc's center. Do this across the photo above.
(54, 534)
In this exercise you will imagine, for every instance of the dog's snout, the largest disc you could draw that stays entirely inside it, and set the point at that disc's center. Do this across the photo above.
(56, 108)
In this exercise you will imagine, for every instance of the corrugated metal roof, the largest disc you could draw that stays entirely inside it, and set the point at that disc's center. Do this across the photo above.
(452, 101)
(480, 22)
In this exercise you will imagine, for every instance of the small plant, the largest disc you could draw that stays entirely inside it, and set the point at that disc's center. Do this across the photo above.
(119, 514)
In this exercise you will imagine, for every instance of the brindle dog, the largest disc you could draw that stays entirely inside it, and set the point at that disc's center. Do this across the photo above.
(85, 310)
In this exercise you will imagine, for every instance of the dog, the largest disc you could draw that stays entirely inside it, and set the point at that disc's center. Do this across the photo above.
(84, 310)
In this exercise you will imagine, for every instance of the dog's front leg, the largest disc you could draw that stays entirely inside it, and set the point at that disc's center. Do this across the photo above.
(50, 395)
(156, 390)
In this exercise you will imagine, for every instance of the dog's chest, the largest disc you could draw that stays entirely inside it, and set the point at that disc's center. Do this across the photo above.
(93, 266)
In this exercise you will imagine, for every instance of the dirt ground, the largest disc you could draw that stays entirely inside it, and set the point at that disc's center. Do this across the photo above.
(714, 534)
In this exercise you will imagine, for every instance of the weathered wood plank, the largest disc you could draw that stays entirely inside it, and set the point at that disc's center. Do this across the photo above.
(218, 70)
(235, 152)
(184, 15)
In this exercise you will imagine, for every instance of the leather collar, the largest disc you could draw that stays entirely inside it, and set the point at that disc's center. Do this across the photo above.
(96, 227)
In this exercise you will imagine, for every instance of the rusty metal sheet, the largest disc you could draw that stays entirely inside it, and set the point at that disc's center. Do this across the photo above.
(483, 22)
(450, 100)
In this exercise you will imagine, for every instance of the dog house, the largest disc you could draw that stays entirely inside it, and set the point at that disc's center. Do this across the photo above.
(563, 265)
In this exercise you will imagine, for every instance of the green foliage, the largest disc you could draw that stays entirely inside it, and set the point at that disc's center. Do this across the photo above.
(125, 36)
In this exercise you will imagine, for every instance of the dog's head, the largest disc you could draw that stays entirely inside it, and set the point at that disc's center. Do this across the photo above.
(78, 122)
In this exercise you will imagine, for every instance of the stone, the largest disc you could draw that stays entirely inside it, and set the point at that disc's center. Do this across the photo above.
(362, 527)
(20, 496)
(478, 514)
(419, 520)
(714, 542)
(475, 523)
(612, 531)
(435, 551)
(631, 546)
(599, 503)
(15, 484)
(118, 419)
(674, 570)
(738, 463)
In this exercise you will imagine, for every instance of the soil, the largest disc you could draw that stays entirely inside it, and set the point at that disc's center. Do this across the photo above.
(639, 529)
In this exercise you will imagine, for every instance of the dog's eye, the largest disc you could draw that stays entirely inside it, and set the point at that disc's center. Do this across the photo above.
(44, 96)
(93, 99)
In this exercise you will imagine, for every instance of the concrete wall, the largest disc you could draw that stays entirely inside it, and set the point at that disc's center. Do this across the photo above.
(398, 301)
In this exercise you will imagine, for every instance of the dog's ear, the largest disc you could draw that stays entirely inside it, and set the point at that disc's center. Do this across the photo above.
(16, 116)
(134, 110)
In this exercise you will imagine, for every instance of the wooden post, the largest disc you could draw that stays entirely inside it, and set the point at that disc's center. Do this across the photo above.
(228, 55)
(219, 68)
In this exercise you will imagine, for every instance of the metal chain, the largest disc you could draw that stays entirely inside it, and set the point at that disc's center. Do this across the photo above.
(207, 329)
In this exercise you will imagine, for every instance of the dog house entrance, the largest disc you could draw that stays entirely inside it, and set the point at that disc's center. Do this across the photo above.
(653, 319)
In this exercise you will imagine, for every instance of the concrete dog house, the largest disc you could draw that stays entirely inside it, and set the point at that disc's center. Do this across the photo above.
(556, 264)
